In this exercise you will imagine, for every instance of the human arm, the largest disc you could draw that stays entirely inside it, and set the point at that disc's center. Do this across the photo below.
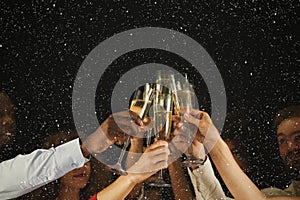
(134, 153)
(153, 159)
(115, 129)
(25, 173)
(233, 176)
(206, 185)
(179, 181)
(238, 183)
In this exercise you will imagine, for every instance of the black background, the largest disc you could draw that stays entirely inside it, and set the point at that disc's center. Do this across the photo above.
(254, 44)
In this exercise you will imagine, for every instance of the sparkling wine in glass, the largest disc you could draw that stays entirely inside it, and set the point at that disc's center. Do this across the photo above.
(162, 117)
(140, 104)
(184, 101)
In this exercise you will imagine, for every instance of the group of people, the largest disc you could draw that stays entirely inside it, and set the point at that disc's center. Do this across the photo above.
(69, 163)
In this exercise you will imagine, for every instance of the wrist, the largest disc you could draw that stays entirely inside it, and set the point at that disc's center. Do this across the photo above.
(136, 140)
(84, 150)
(133, 179)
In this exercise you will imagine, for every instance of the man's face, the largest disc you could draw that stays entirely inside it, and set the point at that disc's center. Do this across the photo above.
(7, 121)
(288, 134)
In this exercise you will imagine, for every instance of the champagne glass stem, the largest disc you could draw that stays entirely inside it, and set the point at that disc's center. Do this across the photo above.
(117, 168)
(148, 137)
(160, 175)
(123, 150)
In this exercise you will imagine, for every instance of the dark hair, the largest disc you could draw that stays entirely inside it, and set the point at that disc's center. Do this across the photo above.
(59, 138)
(287, 113)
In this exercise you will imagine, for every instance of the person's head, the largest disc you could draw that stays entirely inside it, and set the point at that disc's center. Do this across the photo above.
(77, 178)
(7, 119)
(287, 123)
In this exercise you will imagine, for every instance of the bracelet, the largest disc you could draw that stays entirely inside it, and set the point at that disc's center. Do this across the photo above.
(202, 163)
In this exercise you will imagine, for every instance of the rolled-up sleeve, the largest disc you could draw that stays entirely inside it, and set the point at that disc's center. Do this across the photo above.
(25, 173)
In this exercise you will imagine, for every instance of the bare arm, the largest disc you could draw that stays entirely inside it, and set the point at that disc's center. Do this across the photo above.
(154, 159)
(135, 151)
(179, 183)
(240, 186)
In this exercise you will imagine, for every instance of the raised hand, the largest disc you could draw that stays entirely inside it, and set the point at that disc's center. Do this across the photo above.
(115, 129)
(207, 133)
(152, 160)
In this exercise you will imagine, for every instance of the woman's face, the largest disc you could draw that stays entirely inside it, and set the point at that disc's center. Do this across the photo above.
(7, 120)
(78, 177)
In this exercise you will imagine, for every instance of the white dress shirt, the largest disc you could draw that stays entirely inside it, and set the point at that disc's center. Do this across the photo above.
(205, 183)
(25, 173)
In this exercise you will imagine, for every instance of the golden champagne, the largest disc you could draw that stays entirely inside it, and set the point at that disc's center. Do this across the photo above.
(140, 107)
(162, 124)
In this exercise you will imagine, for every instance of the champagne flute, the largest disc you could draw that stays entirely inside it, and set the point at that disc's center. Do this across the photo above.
(162, 115)
(184, 101)
(140, 104)
(118, 168)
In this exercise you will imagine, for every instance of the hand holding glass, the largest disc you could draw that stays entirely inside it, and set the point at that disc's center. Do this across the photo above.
(162, 117)
(140, 104)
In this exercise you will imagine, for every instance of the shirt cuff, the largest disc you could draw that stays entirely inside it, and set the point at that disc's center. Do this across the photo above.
(71, 154)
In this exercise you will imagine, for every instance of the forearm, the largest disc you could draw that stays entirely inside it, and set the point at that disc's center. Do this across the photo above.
(118, 190)
(179, 183)
(25, 173)
(240, 186)
(136, 149)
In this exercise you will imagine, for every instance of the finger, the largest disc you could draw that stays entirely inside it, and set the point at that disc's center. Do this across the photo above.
(159, 157)
(178, 131)
(158, 144)
(161, 165)
(180, 136)
(197, 113)
(126, 116)
(134, 116)
(176, 118)
(178, 124)
(191, 119)
(146, 121)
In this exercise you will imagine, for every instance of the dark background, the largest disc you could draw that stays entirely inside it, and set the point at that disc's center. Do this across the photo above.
(254, 44)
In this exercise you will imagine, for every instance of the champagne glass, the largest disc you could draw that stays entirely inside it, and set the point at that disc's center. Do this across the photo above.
(184, 101)
(164, 79)
(162, 117)
(118, 168)
(140, 104)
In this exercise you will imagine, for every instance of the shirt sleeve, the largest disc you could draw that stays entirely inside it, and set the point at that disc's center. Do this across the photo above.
(25, 173)
(273, 191)
(206, 185)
